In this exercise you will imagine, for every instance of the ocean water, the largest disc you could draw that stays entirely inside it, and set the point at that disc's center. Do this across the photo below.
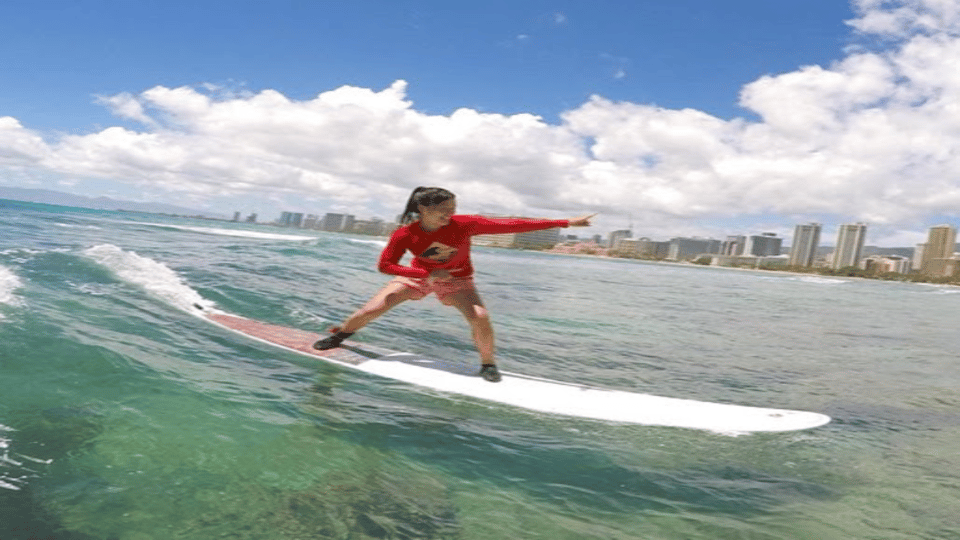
(124, 417)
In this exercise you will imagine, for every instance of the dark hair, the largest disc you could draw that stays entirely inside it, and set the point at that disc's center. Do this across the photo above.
(427, 196)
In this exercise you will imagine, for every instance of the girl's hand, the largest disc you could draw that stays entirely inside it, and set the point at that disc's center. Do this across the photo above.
(582, 221)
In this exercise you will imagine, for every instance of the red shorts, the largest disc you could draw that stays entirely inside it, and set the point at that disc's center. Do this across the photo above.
(443, 289)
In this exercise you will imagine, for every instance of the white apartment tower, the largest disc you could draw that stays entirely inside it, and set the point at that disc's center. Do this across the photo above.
(849, 245)
(806, 239)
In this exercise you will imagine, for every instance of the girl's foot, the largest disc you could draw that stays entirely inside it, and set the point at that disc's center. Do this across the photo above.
(331, 342)
(490, 372)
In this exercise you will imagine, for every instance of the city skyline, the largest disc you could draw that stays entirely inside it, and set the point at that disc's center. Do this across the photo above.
(848, 249)
(936, 259)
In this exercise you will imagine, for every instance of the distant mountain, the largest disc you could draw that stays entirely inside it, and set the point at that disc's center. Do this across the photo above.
(46, 196)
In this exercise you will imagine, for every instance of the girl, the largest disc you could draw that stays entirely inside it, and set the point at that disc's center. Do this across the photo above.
(440, 244)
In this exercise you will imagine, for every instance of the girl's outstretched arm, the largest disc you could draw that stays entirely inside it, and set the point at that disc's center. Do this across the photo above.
(582, 221)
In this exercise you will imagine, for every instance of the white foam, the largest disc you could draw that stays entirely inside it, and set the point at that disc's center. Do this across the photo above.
(380, 243)
(822, 280)
(948, 291)
(24, 251)
(4, 460)
(155, 277)
(71, 226)
(9, 283)
(4, 443)
(22, 255)
(239, 233)
(941, 289)
(20, 251)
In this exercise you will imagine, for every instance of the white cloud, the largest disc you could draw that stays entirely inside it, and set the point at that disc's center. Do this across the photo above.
(349, 143)
(874, 136)
(19, 146)
(126, 105)
(897, 19)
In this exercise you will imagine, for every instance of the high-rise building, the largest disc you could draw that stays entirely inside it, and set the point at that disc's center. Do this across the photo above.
(337, 222)
(918, 253)
(543, 239)
(652, 249)
(733, 246)
(684, 249)
(880, 264)
(941, 244)
(806, 239)
(374, 226)
(849, 245)
(291, 219)
(617, 235)
(763, 245)
(626, 246)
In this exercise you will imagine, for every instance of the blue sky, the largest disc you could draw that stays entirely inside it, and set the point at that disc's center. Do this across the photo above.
(690, 116)
(540, 57)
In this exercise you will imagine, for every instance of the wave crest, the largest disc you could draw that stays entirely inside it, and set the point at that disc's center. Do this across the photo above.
(155, 277)
(9, 283)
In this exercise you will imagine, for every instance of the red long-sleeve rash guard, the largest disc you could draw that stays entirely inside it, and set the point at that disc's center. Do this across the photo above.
(449, 246)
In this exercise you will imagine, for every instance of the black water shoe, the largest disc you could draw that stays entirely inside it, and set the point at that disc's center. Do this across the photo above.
(331, 342)
(490, 372)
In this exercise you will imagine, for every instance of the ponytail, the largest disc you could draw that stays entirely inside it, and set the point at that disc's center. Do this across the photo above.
(426, 196)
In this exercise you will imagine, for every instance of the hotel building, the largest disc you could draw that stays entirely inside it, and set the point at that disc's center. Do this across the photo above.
(849, 245)
(763, 245)
(806, 239)
(938, 252)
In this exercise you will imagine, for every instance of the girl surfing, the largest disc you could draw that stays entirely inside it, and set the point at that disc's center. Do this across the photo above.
(440, 243)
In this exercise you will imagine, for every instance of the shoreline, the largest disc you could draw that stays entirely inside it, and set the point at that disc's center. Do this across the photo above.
(742, 269)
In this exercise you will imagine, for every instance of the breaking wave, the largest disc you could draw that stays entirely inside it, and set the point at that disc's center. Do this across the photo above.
(238, 233)
(9, 283)
(155, 277)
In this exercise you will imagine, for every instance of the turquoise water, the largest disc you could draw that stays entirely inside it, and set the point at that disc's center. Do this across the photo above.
(124, 417)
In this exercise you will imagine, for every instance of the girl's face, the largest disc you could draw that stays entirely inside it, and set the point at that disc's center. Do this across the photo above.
(438, 215)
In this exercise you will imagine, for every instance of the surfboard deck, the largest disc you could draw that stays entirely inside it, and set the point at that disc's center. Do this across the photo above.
(536, 394)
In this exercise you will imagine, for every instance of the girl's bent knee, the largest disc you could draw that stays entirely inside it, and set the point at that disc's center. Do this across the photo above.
(478, 314)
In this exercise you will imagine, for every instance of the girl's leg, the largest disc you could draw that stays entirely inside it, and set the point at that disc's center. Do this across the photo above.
(389, 297)
(468, 302)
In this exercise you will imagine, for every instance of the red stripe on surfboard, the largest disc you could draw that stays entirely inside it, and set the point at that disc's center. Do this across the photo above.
(291, 338)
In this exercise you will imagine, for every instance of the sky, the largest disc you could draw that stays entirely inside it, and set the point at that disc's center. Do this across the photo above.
(680, 118)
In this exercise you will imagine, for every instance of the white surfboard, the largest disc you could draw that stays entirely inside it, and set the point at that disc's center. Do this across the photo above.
(531, 393)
